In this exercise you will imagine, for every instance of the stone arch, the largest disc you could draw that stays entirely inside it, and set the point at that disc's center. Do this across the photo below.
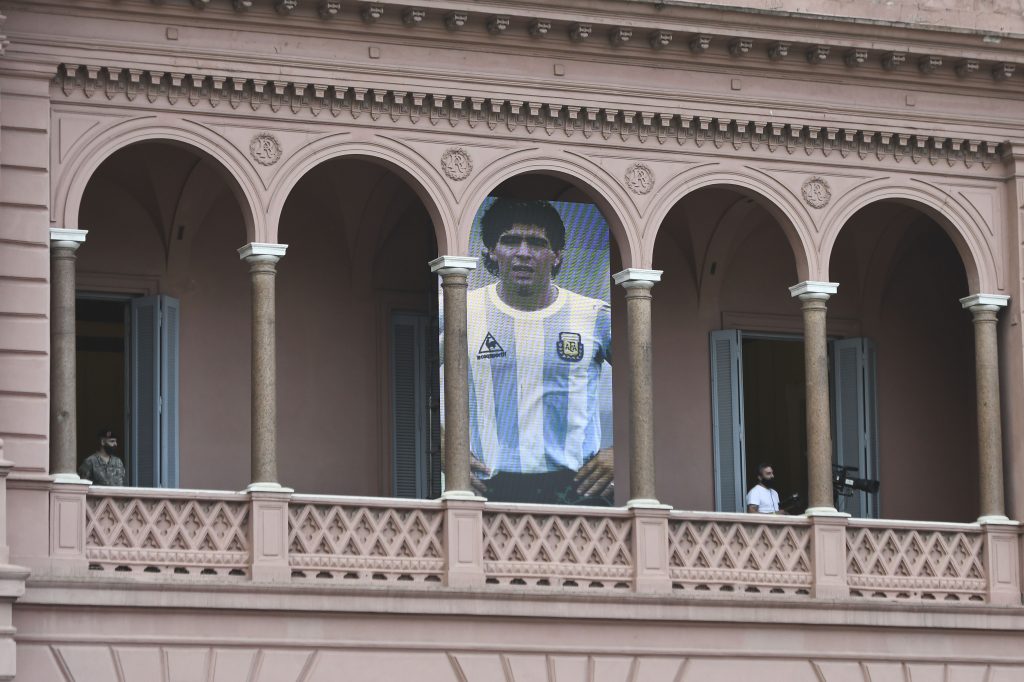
(79, 169)
(794, 220)
(606, 195)
(421, 178)
(957, 222)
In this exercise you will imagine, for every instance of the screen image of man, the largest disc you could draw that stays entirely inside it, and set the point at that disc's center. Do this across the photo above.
(536, 355)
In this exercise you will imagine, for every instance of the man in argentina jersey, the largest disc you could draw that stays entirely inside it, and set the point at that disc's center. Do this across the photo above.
(536, 353)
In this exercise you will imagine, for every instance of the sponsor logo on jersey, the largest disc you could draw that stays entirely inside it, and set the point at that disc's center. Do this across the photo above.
(490, 348)
(569, 346)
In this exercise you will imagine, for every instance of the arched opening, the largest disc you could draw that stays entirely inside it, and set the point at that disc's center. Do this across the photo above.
(901, 278)
(728, 352)
(548, 414)
(163, 318)
(358, 394)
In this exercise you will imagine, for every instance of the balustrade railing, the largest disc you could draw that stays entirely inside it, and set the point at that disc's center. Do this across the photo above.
(365, 540)
(926, 562)
(740, 553)
(161, 531)
(305, 539)
(544, 546)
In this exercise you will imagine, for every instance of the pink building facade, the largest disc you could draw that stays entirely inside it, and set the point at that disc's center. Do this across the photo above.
(222, 230)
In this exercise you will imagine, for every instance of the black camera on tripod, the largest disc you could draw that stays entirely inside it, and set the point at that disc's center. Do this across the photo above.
(844, 484)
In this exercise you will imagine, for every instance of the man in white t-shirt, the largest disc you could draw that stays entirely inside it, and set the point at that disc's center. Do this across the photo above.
(763, 498)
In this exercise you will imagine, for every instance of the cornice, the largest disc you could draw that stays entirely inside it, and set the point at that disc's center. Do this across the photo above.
(385, 105)
(630, 30)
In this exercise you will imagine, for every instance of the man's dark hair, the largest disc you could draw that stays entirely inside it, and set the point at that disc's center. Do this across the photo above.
(105, 433)
(504, 213)
(761, 467)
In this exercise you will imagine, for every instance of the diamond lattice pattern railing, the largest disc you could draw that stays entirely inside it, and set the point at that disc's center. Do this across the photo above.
(915, 564)
(555, 549)
(366, 543)
(205, 536)
(737, 556)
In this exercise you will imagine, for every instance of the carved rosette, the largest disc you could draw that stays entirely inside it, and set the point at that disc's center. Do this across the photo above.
(265, 149)
(456, 164)
(639, 178)
(817, 192)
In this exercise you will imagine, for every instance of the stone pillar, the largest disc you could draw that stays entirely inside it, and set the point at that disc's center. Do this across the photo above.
(813, 297)
(828, 556)
(463, 542)
(268, 534)
(637, 284)
(985, 309)
(651, 549)
(262, 259)
(12, 581)
(63, 445)
(454, 271)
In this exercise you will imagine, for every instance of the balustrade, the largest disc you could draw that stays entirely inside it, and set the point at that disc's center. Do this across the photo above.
(458, 543)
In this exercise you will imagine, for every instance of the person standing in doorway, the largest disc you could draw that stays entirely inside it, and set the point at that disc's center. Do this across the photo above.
(104, 467)
(763, 498)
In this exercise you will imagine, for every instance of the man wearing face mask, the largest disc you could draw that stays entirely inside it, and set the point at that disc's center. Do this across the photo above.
(763, 498)
(103, 467)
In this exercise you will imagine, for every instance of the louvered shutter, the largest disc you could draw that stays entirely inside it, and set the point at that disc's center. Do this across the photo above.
(727, 419)
(855, 440)
(170, 322)
(144, 439)
(153, 434)
(408, 400)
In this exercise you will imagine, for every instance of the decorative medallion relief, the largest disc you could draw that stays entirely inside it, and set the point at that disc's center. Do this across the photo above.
(265, 149)
(639, 178)
(816, 192)
(456, 164)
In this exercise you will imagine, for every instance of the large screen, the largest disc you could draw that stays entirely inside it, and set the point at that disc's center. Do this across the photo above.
(540, 352)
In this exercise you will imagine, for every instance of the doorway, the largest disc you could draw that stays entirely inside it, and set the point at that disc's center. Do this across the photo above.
(127, 381)
(101, 358)
(759, 415)
(774, 402)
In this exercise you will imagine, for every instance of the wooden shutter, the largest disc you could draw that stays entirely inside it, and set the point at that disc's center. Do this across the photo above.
(855, 418)
(153, 433)
(409, 413)
(170, 321)
(144, 439)
(727, 419)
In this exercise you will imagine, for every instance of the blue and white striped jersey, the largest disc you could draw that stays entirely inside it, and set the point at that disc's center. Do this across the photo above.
(534, 381)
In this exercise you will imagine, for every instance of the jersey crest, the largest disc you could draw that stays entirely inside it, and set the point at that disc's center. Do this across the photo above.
(490, 348)
(569, 346)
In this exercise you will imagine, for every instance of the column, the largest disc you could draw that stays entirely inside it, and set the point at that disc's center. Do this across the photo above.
(813, 298)
(637, 284)
(262, 260)
(63, 446)
(985, 310)
(454, 271)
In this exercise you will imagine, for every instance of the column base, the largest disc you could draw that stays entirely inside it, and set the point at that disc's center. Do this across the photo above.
(646, 503)
(462, 495)
(71, 478)
(267, 487)
(996, 520)
(826, 511)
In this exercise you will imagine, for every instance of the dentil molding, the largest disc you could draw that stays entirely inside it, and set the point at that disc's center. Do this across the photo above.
(383, 105)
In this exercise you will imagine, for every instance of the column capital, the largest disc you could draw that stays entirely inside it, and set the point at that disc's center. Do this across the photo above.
(67, 239)
(637, 278)
(261, 251)
(809, 289)
(995, 301)
(453, 265)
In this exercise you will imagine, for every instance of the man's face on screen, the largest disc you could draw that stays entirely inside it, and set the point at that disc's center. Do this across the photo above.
(525, 259)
